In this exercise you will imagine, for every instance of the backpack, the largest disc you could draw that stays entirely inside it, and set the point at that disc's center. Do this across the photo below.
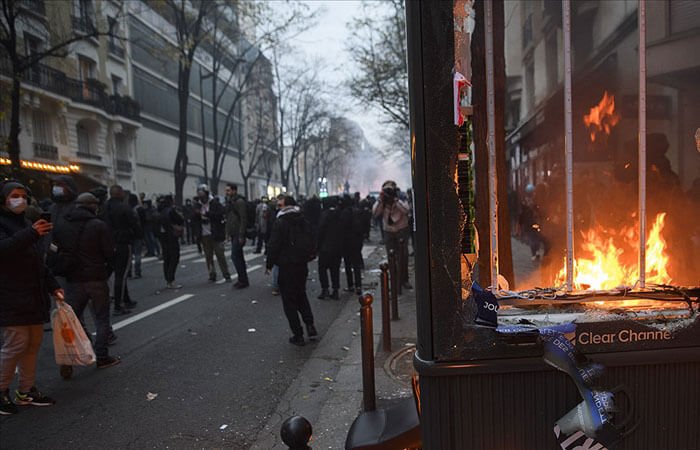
(302, 245)
(62, 255)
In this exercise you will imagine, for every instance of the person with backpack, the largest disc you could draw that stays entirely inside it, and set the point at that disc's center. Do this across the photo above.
(291, 247)
(87, 266)
(236, 227)
(353, 237)
(170, 230)
(330, 248)
(25, 285)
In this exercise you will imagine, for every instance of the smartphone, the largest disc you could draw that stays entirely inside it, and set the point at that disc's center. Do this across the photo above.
(46, 216)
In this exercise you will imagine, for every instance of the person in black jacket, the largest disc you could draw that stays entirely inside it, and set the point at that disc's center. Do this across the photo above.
(293, 270)
(124, 224)
(330, 248)
(93, 247)
(352, 244)
(170, 221)
(25, 285)
(211, 221)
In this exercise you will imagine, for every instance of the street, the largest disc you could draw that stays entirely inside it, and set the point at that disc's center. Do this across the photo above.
(202, 367)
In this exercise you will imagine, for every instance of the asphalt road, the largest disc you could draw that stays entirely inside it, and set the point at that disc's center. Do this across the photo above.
(216, 359)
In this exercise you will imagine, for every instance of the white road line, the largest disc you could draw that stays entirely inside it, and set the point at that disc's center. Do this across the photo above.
(149, 312)
(235, 277)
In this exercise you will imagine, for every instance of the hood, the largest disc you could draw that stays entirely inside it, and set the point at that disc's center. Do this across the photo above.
(80, 214)
(70, 186)
(288, 210)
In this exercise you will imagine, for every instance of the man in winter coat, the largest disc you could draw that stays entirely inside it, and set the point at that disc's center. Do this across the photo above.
(293, 269)
(93, 247)
(330, 248)
(25, 284)
(212, 223)
(236, 225)
(170, 221)
(63, 194)
(124, 225)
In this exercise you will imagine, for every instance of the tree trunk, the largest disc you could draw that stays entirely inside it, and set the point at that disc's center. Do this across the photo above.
(13, 144)
(181, 159)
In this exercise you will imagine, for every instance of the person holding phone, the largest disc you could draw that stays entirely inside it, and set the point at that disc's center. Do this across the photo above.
(24, 298)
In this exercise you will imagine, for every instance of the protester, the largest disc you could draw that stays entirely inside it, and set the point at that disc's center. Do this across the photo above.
(93, 247)
(262, 219)
(24, 298)
(63, 193)
(150, 223)
(137, 243)
(169, 232)
(212, 222)
(236, 225)
(188, 213)
(353, 237)
(285, 250)
(394, 214)
(196, 224)
(330, 248)
(124, 225)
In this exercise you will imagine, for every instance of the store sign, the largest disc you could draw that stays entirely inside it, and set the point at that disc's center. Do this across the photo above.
(658, 107)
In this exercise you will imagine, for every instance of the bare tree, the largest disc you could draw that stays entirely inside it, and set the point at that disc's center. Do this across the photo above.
(189, 19)
(378, 48)
(20, 17)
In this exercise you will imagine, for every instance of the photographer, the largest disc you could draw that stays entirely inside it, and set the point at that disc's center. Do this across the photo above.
(394, 213)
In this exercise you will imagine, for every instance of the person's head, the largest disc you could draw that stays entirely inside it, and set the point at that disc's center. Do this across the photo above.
(63, 188)
(285, 200)
(14, 197)
(116, 192)
(231, 189)
(389, 189)
(133, 200)
(203, 193)
(87, 201)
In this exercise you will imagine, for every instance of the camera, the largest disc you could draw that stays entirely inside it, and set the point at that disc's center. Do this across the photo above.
(389, 191)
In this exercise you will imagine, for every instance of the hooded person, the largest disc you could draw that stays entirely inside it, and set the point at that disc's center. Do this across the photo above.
(63, 194)
(24, 298)
(94, 250)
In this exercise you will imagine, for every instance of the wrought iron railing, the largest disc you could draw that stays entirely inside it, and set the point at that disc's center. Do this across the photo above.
(124, 166)
(83, 24)
(90, 91)
(86, 155)
(45, 151)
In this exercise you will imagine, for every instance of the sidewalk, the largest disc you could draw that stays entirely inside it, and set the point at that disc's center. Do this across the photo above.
(328, 390)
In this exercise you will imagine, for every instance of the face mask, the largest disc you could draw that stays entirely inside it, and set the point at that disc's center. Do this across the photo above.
(17, 205)
(57, 191)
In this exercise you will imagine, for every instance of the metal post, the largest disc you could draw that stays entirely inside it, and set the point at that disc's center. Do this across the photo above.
(491, 142)
(642, 142)
(568, 147)
(366, 334)
(394, 283)
(386, 318)
(400, 267)
(296, 433)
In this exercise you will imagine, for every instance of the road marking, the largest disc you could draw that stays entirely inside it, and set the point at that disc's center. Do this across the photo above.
(235, 277)
(150, 312)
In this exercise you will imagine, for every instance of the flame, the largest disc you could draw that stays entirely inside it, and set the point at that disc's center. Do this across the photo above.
(604, 267)
(602, 117)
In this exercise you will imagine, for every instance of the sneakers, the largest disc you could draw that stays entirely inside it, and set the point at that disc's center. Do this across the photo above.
(311, 331)
(323, 295)
(228, 279)
(239, 285)
(109, 361)
(275, 291)
(297, 340)
(173, 286)
(33, 397)
(6, 406)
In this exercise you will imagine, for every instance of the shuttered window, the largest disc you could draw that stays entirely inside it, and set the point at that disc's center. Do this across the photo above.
(685, 15)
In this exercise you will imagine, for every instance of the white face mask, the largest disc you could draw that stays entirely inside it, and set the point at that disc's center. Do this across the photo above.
(57, 191)
(17, 205)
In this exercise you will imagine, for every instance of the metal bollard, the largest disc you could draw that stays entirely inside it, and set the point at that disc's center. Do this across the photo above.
(386, 317)
(399, 265)
(394, 285)
(296, 432)
(368, 396)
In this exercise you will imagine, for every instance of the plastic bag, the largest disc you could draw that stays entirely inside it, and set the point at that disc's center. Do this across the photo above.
(70, 343)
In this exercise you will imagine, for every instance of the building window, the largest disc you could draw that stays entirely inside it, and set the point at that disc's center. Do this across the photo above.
(86, 70)
(684, 15)
(116, 85)
(32, 44)
(84, 147)
(42, 128)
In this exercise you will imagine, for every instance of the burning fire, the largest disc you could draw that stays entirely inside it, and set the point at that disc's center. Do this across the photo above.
(602, 117)
(604, 268)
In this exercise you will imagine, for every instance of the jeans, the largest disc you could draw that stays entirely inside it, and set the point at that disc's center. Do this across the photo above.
(151, 243)
(292, 280)
(329, 262)
(122, 261)
(137, 250)
(171, 257)
(211, 248)
(78, 295)
(20, 349)
(238, 260)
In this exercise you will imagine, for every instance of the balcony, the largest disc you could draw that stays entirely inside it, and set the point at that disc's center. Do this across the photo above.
(45, 151)
(86, 155)
(124, 166)
(91, 92)
(83, 25)
(34, 6)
